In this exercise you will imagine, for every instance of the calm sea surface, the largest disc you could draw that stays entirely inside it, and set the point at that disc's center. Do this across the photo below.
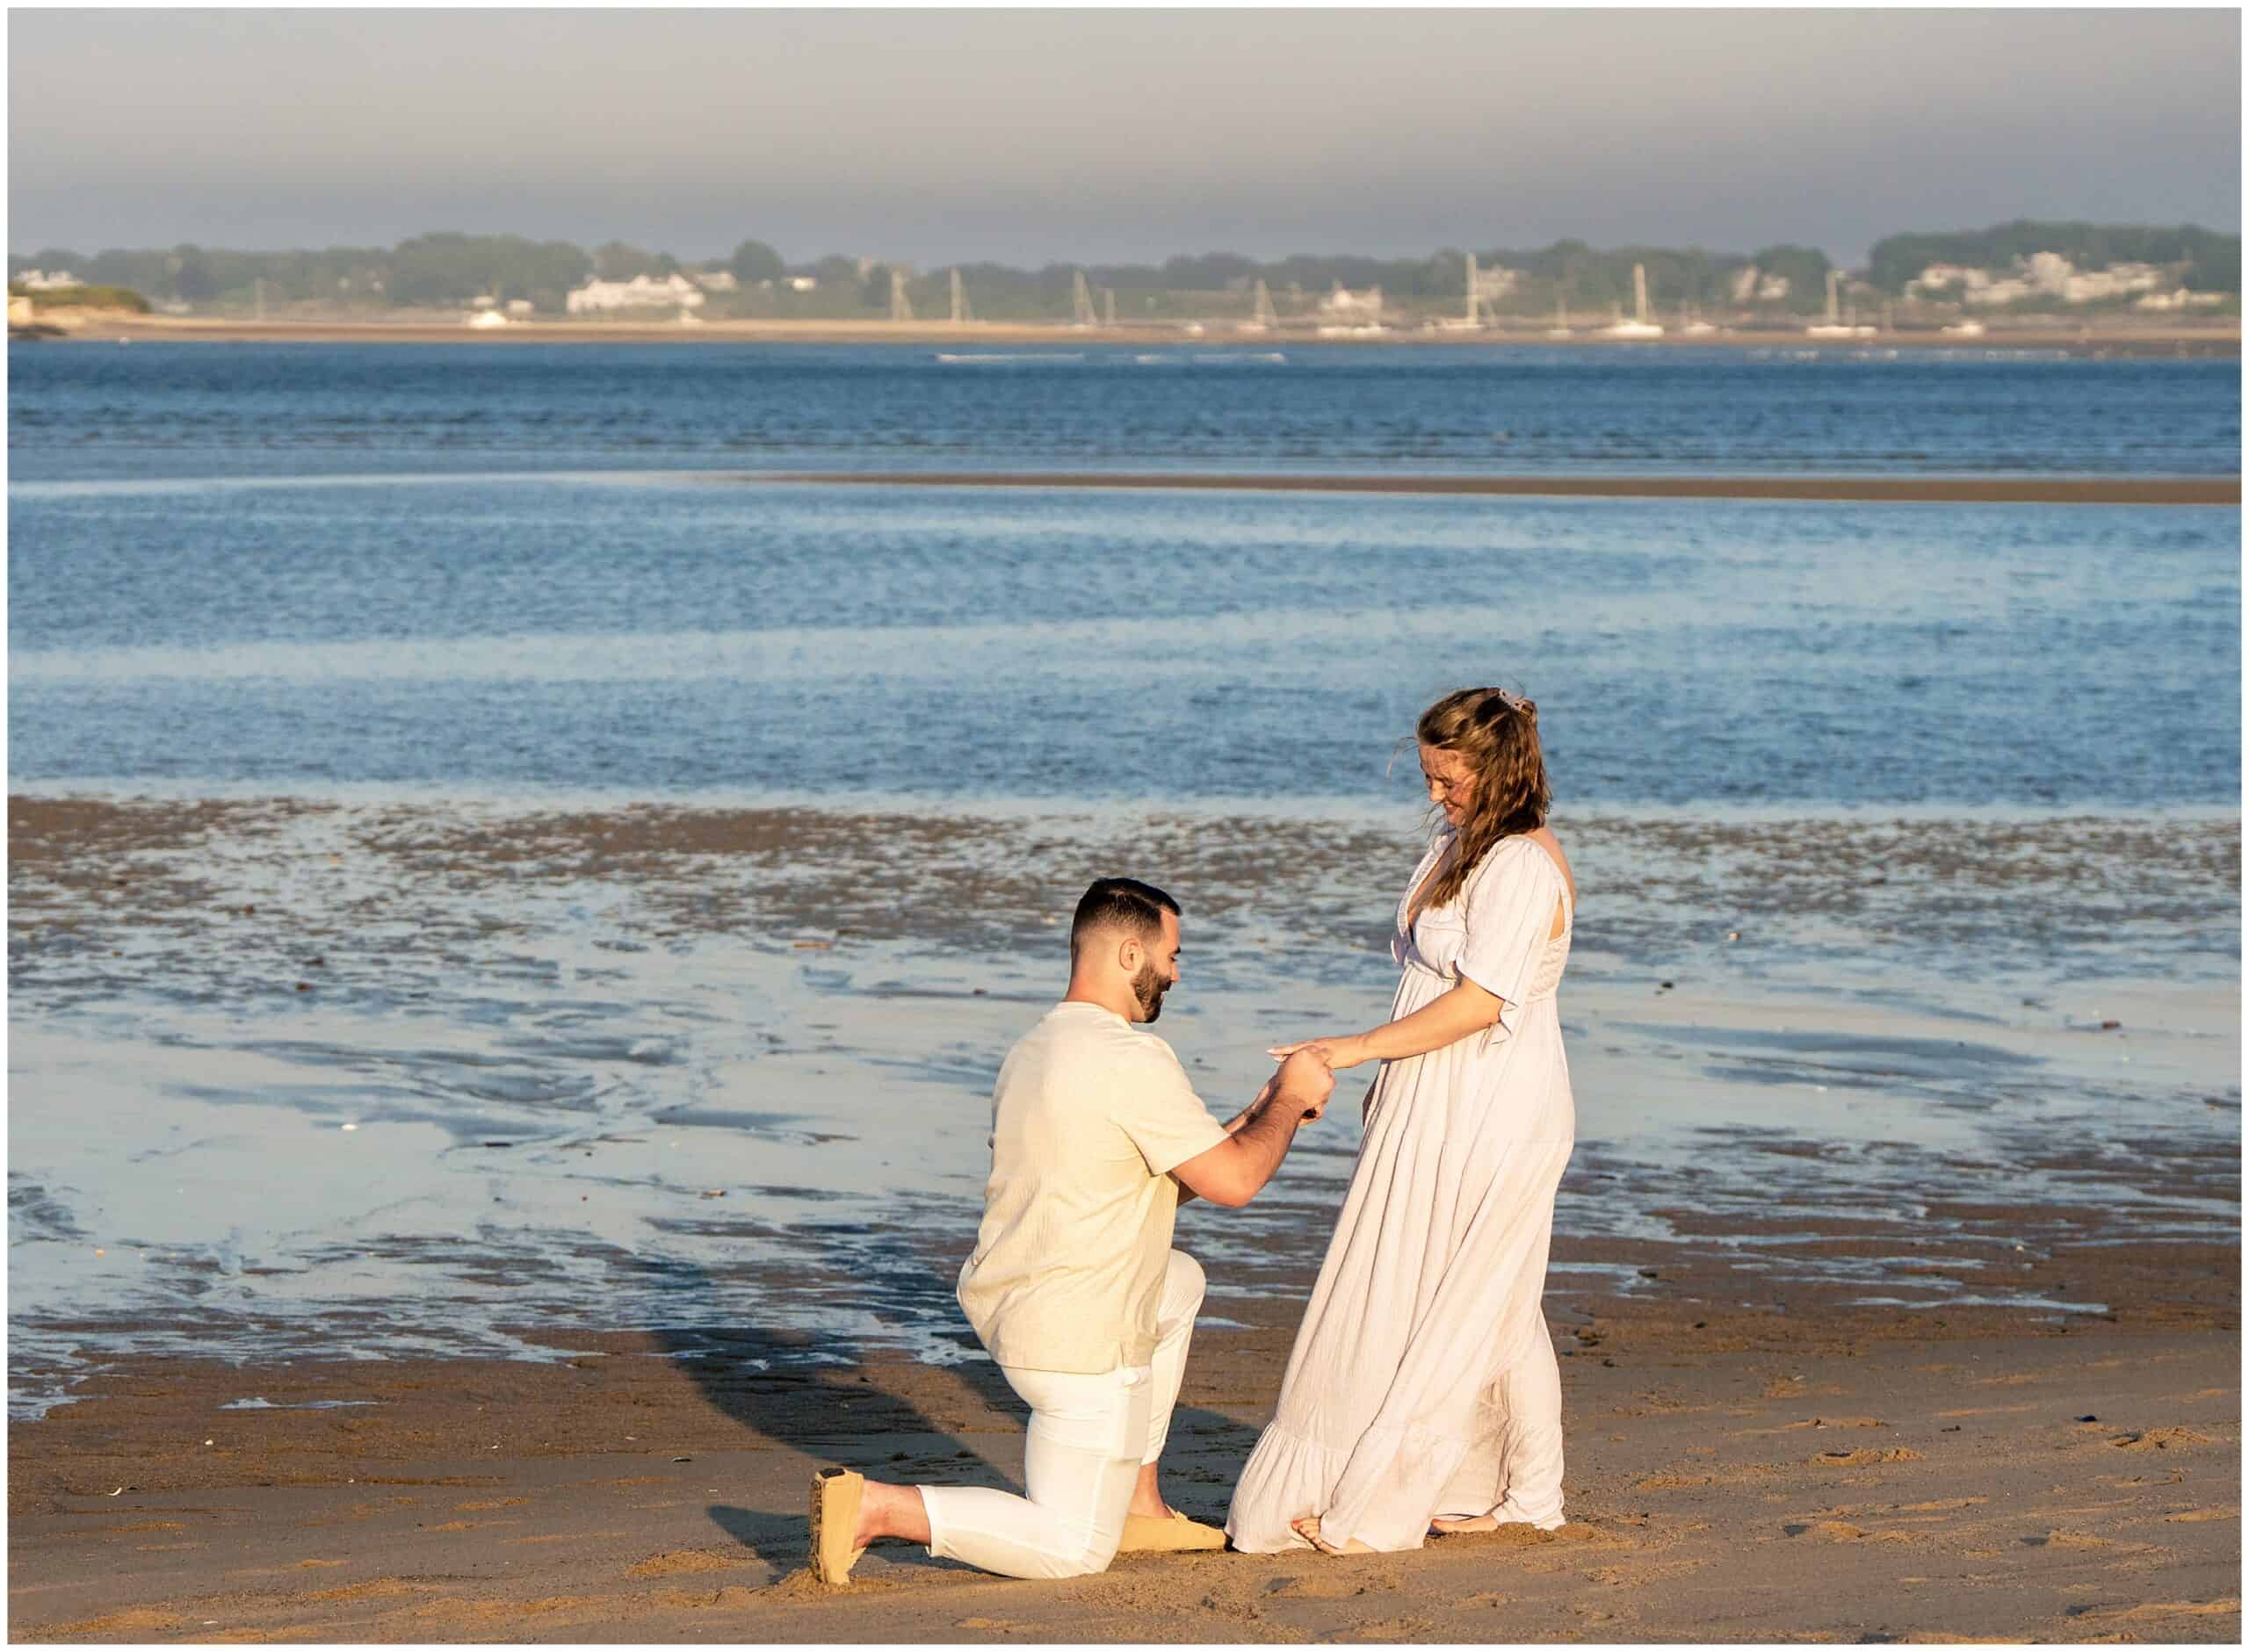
(189, 410)
(415, 575)
(282, 566)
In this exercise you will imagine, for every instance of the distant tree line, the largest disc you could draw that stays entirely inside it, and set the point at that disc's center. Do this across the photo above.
(450, 270)
(82, 297)
(2212, 261)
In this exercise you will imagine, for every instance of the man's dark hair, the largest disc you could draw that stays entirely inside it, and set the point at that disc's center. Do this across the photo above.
(1120, 903)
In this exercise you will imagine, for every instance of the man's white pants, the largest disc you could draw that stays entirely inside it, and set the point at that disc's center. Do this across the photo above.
(1089, 1436)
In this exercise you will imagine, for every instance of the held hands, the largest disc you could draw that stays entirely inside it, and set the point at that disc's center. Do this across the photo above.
(1304, 1081)
(1334, 1053)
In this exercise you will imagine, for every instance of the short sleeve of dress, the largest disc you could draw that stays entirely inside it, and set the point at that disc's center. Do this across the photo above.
(1161, 1113)
(1509, 911)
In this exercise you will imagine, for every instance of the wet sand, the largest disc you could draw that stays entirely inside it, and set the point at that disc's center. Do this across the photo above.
(1959, 490)
(1845, 1261)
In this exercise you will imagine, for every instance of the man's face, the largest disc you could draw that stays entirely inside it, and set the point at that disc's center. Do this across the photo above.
(1159, 970)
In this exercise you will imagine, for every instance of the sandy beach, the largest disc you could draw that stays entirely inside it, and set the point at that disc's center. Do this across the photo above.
(1731, 1478)
(1935, 1356)
(592, 602)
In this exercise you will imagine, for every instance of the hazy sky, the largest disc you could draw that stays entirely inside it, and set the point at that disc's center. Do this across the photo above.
(1025, 136)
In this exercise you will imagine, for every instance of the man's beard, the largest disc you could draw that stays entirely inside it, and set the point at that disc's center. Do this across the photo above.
(1148, 988)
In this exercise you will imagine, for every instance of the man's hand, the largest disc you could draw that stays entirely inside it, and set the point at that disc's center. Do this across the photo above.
(1303, 1082)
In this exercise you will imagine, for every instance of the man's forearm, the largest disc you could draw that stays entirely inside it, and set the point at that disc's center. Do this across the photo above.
(1265, 1136)
(1232, 1127)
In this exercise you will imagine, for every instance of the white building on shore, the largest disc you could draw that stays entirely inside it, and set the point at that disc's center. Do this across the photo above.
(2043, 274)
(2180, 298)
(641, 292)
(1753, 286)
(1343, 304)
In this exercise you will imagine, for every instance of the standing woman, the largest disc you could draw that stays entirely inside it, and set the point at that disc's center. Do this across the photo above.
(1423, 1390)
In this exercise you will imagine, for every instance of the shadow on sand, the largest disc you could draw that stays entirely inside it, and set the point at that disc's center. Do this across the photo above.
(916, 1423)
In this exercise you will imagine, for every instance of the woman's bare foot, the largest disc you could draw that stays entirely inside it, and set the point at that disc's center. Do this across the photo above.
(1308, 1529)
(1489, 1523)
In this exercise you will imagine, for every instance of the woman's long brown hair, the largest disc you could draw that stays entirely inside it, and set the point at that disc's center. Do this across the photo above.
(1498, 733)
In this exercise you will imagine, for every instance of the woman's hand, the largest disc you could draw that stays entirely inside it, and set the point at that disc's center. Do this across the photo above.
(1338, 1053)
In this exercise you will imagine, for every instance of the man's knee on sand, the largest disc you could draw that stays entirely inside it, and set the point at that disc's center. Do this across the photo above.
(1080, 1559)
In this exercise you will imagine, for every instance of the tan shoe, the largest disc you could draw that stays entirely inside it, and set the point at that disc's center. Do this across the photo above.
(836, 1494)
(1145, 1532)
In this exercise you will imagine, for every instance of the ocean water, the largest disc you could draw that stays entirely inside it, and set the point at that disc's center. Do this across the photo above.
(187, 410)
(1881, 810)
(655, 634)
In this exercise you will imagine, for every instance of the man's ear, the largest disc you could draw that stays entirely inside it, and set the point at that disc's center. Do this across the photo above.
(1131, 955)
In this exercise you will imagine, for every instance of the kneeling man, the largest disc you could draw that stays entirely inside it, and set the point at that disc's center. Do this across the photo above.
(1073, 1286)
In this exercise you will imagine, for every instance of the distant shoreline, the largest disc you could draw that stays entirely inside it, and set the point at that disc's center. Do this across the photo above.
(88, 326)
(1984, 490)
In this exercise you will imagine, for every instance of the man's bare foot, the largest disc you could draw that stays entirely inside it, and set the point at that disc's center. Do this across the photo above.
(888, 1510)
(1473, 1522)
(1308, 1529)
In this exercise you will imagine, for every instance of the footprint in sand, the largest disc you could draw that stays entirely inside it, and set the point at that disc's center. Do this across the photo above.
(1393, 1630)
(1863, 1456)
(1314, 1588)
(1819, 1422)
(130, 1625)
(2220, 1607)
(672, 1563)
(2190, 1516)
(727, 1598)
(1826, 1530)
(2160, 1440)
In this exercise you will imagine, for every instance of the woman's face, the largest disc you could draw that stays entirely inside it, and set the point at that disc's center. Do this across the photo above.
(1452, 784)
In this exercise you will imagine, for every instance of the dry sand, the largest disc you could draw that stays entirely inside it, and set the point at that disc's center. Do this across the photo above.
(1744, 1479)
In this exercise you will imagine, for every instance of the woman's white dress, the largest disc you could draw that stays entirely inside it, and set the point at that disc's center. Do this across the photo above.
(1423, 1383)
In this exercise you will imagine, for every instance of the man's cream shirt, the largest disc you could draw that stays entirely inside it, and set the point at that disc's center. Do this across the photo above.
(1087, 1121)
